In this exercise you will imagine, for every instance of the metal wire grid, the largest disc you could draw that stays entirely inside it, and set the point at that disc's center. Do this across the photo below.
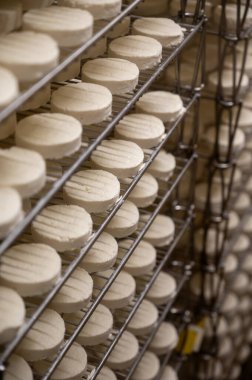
(122, 105)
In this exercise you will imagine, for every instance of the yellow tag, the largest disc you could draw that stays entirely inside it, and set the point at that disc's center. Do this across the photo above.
(190, 340)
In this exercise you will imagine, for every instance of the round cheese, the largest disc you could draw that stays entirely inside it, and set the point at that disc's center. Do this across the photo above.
(145, 191)
(69, 27)
(71, 367)
(14, 161)
(17, 369)
(206, 285)
(142, 260)
(69, 72)
(145, 130)
(28, 55)
(31, 269)
(169, 374)
(241, 244)
(210, 241)
(242, 202)
(89, 103)
(102, 255)
(145, 52)
(119, 157)
(121, 291)
(11, 210)
(10, 16)
(238, 141)
(53, 135)
(96, 330)
(227, 82)
(124, 352)
(96, 50)
(94, 190)
(39, 99)
(144, 319)
(164, 30)
(231, 20)
(118, 75)
(163, 166)
(162, 290)
(63, 227)
(8, 87)
(229, 304)
(165, 339)
(74, 294)
(124, 222)
(240, 283)
(12, 314)
(161, 232)
(230, 265)
(106, 374)
(44, 338)
(162, 104)
(100, 9)
(147, 368)
(216, 197)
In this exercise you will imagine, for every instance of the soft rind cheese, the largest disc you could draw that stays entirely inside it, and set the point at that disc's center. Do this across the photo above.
(106, 374)
(17, 369)
(144, 319)
(145, 130)
(145, 52)
(14, 161)
(142, 260)
(163, 165)
(169, 373)
(124, 222)
(53, 135)
(162, 290)
(161, 232)
(118, 75)
(97, 328)
(164, 30)
(100, 9)
(75, 293)
(165, 339)
(147, 368)
(30, 269)
(162, 104)
(28, 55)
(44, 338)
(12, 313)
(89, 103)
(69, 27)
(145, 191)
(8, 87)
(11, 210)
(64, 227)
(124, 352)
(119, 157)
(94, 190)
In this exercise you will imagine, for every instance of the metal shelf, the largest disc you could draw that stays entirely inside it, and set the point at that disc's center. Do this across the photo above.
(121, 106)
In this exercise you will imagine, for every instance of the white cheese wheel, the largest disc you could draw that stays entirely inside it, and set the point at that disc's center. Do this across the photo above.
(162, 104)
(240, 283)
(147, 368)
(231, 19)
(165, 339)
(229, 304)
(169, 374)
(64, 227)
(94, 190)
(233, 222)
(161, 232)
(44, 338)
(11, 210)
(145, 130)
(121, 291)
(100, 9)
(230, 264)
(211, 241)
(163, 165)
(124, 222)
(96, 50)
(102, 255)
(216, 197)
(53, 135)
(119, 157)
(31, 4)
(39, 99)
(12, 313)
(118, 75)
(162, 290)
(150, 7)
(17, 369)
(96, 330)
(227, 82)
(142, 260)
(145, 52)
(206, 285)
(89, 103)
(14, 161)
(164, 30)
(106, 374)
(8, 87)
(144, 319)
(10, 16)
(69, 27)
(28, 55)
(30, 269)
(71, 367)
(145, 191)
(124, 352)
(242, 202)
(75, 293)
(241, 244)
